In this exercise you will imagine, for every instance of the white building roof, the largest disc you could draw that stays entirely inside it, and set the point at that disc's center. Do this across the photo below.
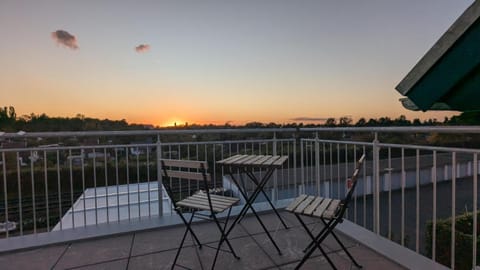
(110, 204)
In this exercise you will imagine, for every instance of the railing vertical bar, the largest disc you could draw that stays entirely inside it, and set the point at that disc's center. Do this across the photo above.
(94, 161)
(159, 177)
(5, 191)
(434, 203)
(214, 148)
(138, 185)
(338, 171)
(106, 184)
(82, 159)
(222, 156)
(317, 163)
(475, 186)
(32, 178)
(308, 166)
(402, 240)
(127, 164)
(71, 187)
(346, 176)
(454, 180)
(324, 168)
(330, 189)
(45, 170)
(229, 154)
(376, 196)
(364, 190)
(417, 201)
(355, 191)
(20, 204)
(312, 168)
(275, 174)
(189, 182)
(196, 158)
(180, 180)
(148, 184)
(117, 184)
(295, 180)
(285, 147)
(205, 157)
(59, 191)
(390, 193)
(302, 168)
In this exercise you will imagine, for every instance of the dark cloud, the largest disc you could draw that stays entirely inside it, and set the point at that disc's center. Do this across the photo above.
(66, 39)
(310, 119)
(142, 48)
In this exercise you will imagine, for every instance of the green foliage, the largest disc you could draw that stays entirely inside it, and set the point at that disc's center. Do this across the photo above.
(11, 123)
(7, 118)
(463, 241)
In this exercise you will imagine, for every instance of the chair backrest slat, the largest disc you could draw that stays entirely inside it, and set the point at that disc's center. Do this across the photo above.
(190, 164)
(185, 175)
(185, 169)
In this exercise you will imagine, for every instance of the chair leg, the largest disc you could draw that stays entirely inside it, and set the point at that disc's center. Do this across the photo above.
(311, 247)
(343, 247)
(187, 229)
(223, 238)
(225, 235)
(312, 243)
(187, 224)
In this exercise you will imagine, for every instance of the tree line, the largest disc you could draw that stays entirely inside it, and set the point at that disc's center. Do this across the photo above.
(10, 122)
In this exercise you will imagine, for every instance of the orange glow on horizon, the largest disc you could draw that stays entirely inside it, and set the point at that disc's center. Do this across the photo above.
(173, 122)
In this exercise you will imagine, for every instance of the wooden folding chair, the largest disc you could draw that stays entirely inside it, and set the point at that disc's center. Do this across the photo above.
(201, 204)
(330, 212)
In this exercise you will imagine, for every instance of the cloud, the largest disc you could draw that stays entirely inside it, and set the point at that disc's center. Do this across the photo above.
(310, 119)
(64, 38)
(142, 48)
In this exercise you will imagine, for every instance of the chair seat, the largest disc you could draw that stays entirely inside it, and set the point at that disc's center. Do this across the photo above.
(315, 206)
(200, 201)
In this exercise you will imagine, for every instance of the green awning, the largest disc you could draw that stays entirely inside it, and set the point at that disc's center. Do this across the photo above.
(448, 76)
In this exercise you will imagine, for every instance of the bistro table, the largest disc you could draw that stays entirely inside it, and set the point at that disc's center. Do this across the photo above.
(246, 164)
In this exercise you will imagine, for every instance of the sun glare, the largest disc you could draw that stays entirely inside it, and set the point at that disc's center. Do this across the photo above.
(174, 122)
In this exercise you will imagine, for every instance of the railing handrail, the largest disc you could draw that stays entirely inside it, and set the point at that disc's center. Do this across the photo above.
(133, 145)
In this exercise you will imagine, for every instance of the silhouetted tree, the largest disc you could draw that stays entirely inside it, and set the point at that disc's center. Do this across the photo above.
(331, 122)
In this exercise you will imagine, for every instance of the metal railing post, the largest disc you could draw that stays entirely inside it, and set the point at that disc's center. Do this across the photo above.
(295, 178)
(275, 174)
(317, 162)
(302, 169)
(376, 180)
(159, 176)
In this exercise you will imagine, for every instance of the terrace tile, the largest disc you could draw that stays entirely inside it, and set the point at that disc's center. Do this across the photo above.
(41, 258)
(155, 249)
(96, 251)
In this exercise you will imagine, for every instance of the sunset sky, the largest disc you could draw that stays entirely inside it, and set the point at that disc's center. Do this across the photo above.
(160, 62)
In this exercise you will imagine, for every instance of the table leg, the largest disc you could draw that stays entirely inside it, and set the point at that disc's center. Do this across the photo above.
(259, 189)
(248, 205)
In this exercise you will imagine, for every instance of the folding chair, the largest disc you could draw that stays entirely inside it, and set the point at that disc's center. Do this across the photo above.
(202, 204)
(330, 212)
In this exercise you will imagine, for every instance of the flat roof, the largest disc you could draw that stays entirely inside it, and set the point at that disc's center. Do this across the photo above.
(109, 204)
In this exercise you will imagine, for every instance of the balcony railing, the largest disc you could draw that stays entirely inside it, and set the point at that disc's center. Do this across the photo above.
(70, 180)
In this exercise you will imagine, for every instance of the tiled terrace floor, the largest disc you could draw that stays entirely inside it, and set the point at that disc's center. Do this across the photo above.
(155, 249)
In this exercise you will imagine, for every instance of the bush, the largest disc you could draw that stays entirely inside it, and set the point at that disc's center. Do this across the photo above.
(463, 240)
